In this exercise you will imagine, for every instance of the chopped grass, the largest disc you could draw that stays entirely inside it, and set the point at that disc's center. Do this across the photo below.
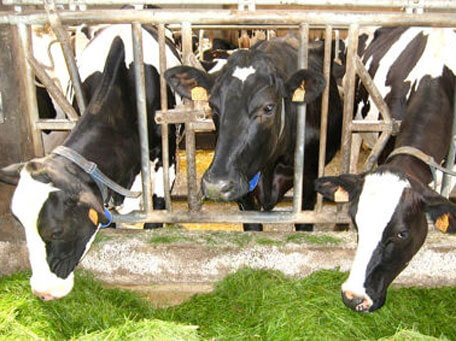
(267, 241)
(101, 238)
(247, 305)
(299, 238)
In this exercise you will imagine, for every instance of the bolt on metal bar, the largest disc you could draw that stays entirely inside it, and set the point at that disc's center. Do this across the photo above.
(324, 110)
(164, 108)
(24, 51)
(301, 124)
(446, 181)
(349, 97)
(140, 86)
(190, 143)
(53, 89)
(62, 37)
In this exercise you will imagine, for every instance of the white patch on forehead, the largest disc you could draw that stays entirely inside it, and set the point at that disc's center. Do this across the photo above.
(27, 202)
(243, 72)
(378, 200)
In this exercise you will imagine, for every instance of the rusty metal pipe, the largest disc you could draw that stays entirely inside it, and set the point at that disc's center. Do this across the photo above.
(301, 124)
(140, 86)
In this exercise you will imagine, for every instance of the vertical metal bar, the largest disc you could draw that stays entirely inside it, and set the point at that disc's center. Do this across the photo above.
(164, 108)
(25, 50)
(349, 91)
(140, 86)
(324, 110)
(446, 183)
(300, 135)
(62, 36)
(190, 145)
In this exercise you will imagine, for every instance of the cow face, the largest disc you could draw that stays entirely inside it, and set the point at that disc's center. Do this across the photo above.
(60, 215)
(389, 211)
(250, 100)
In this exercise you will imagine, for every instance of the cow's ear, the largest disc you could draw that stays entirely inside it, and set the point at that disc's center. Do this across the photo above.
(304, 86)
(342, 188)
(95, 210)
(11, 174)
(183, 79)
(441, 211)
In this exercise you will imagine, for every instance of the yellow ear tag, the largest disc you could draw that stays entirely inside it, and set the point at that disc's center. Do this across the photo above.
(299, 93)
(199, 94)
(341, 195)
(93, 216)
(443, 222)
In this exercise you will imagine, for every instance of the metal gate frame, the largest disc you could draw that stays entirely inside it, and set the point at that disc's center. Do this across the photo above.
(22, 18)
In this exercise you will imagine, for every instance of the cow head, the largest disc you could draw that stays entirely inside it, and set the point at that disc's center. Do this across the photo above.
(250, 100)
(60, 214)
(389, 211)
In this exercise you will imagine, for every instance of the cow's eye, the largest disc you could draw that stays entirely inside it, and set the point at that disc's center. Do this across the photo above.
(269, 108)
(403, 234)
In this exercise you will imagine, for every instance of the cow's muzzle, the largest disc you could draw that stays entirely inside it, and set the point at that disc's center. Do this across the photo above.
(222, 189)
(360, 303)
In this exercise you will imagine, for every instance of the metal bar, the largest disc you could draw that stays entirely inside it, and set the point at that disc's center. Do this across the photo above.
(140, 86)
(324, 111)
(372, 89)
(301, 125)
(190, 142)
(54, 124)
(24, 51)
(164, 109)
(64, 41)
(429, 4)
(222, 17)
(180, 115)
(280, 217)
(446, 181)
(53, 89)
(375, 152)
(349, 91)
(374, 126)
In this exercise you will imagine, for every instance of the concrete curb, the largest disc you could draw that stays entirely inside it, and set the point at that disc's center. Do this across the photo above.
(138, 257)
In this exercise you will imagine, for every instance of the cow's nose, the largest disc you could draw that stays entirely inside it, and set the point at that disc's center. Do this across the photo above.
(218, 189)
(44, 296)
(356, 302)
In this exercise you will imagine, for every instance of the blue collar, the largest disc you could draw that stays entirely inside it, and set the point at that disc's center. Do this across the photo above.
(109, 216)
(254, 182)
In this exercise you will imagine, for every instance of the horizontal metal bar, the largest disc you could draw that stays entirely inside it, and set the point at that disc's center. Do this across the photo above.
(362, 126)
(181, 115)
(429, 4)
(55, 124)
(223, 16)
(282, 217)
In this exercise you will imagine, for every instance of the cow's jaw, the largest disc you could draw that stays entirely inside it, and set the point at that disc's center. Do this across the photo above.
(28, 199)
(377, 203)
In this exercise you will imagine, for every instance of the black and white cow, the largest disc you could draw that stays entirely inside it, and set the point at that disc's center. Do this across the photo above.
(60, 206)
(414, 69)
(255, 118)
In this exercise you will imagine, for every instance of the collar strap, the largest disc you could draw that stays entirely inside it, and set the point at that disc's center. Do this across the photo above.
(254, 182)
(97, 175)
(109, 216)
(427, 159)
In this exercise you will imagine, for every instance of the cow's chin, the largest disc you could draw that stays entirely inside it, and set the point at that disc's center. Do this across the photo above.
(49, 287)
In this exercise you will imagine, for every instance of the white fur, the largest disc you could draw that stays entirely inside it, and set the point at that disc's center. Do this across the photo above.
(28, 199)
(378, 200)
(220, 63)
(243, 72)
(94, 56)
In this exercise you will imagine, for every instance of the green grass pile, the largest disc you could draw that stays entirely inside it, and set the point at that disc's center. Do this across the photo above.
(247, 305)
(89, 312)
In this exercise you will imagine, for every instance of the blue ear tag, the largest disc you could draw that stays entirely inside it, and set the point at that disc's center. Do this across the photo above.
(109, 216)
(254, 182)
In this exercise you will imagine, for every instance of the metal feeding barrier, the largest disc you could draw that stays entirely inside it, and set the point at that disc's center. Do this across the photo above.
(327, 15)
